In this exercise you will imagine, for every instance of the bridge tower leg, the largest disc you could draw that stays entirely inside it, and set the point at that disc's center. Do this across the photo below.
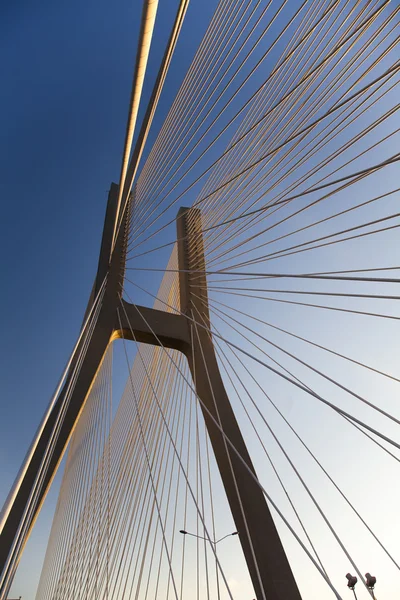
(269, 568)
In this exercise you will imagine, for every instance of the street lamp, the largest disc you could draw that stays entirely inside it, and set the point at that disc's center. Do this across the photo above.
(370, 582)
(351, 583)
(215, 542)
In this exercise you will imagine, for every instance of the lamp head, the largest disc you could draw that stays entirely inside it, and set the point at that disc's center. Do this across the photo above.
(352, 580)
(370, 580)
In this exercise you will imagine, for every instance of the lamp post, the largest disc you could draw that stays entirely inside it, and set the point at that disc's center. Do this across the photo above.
(370, 581)
(351, 583)
(214, 542)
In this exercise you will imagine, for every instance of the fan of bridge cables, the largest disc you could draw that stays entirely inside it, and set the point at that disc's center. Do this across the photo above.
(284, 133)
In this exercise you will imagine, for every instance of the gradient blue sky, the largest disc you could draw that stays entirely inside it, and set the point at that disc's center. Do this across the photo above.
(66, 71)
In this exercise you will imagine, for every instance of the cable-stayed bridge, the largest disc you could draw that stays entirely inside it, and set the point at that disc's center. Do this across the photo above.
(248, 273)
